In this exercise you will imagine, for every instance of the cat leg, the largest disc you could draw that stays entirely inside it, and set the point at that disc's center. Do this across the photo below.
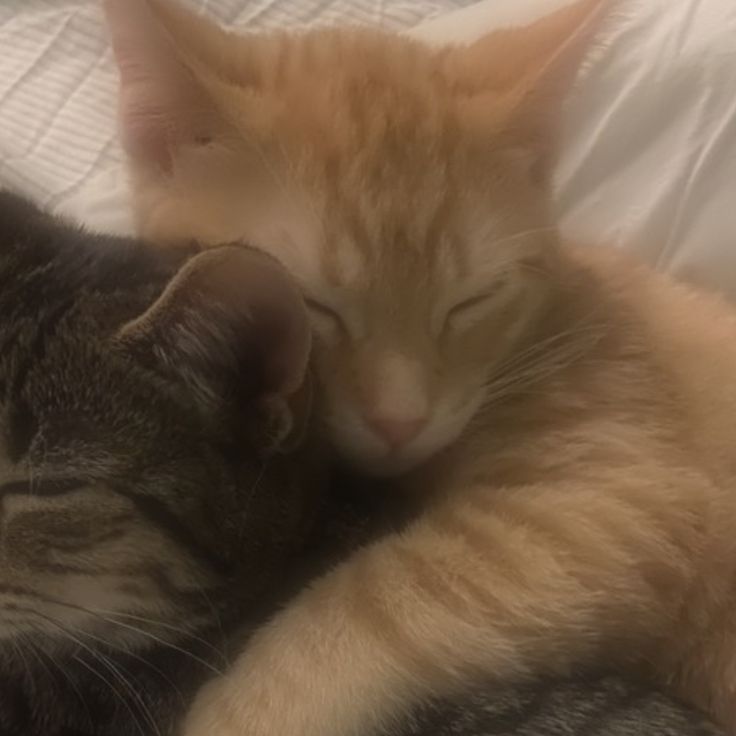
(531, 581)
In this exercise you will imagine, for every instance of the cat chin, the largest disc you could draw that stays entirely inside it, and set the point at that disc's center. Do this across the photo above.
(384, 464)
(388, 466)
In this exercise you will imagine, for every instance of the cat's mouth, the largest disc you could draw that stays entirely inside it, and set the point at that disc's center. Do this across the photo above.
(363, 449)
(372, 458)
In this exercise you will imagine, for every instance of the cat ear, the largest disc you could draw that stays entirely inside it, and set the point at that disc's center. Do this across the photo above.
(231, 324)
(163, 104)
(519, 77)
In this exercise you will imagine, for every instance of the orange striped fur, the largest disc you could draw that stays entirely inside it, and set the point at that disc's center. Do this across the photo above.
(569, 417)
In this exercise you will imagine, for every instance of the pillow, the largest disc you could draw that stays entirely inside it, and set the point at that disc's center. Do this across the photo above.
(649, 137)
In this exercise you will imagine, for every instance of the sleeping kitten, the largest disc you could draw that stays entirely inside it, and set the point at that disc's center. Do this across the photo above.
(568, 419)
(139, 518)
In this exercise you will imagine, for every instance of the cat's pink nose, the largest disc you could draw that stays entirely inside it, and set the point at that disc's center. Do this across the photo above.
(396, 431)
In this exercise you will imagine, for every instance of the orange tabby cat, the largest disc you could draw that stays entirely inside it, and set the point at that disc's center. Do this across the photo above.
(570, 418)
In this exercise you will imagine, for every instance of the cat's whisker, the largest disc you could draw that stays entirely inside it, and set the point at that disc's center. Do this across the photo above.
(125, 682)
(23, 659)
(96, 657)
(135, 656)
(160, 624)
(542, 345)
(538, 353)
(583, 326)
(110, 667)
(545, 354)
(107, 616)
(25, 644)
(37, 653)
(114, 690)
(218, 618)
(541, 352)
(164, 643)
(539, 363)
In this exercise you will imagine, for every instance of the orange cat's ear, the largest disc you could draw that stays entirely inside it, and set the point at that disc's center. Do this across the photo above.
(163, 104)
(517, 78)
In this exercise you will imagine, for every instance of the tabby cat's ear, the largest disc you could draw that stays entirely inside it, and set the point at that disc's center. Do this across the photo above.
(515, 80)
(164, 106)
(231, 324)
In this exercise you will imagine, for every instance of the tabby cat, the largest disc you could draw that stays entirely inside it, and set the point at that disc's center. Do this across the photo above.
(597, 705)
(136, 541)
(568, 419)
(134, 482)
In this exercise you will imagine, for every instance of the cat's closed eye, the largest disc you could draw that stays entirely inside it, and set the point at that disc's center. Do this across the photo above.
(467, 312)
